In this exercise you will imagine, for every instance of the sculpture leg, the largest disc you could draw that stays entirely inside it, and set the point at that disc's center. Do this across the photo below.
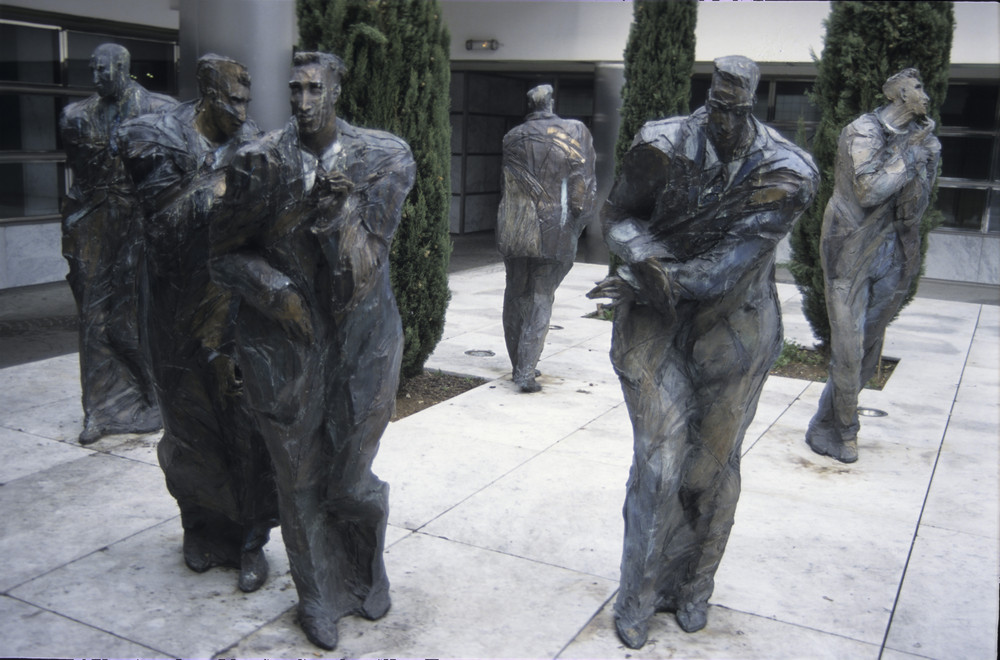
(833, 430)
(116, 384)
(528, 300)
(731, 360)
(658, 395)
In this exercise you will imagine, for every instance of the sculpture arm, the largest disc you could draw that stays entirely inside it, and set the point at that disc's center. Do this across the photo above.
(879, 168)
(760, 219)
(356, 239)
(625, 218)
(236, 244)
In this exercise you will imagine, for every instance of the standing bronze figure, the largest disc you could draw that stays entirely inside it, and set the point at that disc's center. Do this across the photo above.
(213, 458)
(103, 245)
(695, 215)
(305, 247)
(548, 192)
(887, 162)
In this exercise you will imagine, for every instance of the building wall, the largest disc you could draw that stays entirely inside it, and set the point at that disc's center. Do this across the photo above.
(561, 33)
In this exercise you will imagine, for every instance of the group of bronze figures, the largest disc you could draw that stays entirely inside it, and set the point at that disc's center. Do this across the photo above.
(234, 287)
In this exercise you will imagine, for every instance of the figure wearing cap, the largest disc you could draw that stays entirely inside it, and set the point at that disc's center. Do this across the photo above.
(695, 216)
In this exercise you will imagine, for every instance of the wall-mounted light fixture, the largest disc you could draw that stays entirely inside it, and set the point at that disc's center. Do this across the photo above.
(482, 44)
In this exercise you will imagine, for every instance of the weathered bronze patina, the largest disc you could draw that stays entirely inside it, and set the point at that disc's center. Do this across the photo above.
(695, 215)
(548, 192)
(887, 162)
(304, 245)
(102, 243)
(212, 455)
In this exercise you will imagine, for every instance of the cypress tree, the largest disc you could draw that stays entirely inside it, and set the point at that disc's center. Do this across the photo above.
(397, 54)
(865, 43)
(659, 57)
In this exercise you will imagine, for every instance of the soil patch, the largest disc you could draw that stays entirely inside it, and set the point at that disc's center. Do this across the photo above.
(430, 388)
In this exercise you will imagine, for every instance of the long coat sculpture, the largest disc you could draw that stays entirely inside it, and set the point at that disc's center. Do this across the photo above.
(213, 458)
(102, 244)
(695, 215)
(548, 192)
(319, 339)
(886, 165)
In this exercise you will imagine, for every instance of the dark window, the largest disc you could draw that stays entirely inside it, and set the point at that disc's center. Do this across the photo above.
(962, 207)
(970, 105)
(29, 54)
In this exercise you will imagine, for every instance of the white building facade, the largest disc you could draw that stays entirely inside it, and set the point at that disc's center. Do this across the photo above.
(500, 48)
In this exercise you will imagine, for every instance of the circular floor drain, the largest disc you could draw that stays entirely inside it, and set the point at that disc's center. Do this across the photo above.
(555, 327)
(478, 352)
(872, 412)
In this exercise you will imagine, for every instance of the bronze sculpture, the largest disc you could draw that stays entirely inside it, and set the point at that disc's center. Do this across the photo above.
(887, 161)
(102, 244)
(304, 244)
(213, 458)
(695, 215)
(548, 191)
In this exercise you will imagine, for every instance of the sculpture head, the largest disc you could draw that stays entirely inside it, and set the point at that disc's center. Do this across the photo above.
(540, 99)
(905, 91)
(224, 91)
(315, 88)
(730, 105)
(109, 65)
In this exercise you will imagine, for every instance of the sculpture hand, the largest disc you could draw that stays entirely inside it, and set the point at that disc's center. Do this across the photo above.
(330, 193)
(291, 313)
(613, 287)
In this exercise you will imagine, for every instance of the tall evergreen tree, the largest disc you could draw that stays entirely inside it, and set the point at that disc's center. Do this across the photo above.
(659, 57)
(865, 43)
(397, 54)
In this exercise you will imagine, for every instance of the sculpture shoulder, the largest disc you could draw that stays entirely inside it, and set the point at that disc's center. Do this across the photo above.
(788, 154)
(148, 102)
(355, 137)
(79, 113)
(664, 134)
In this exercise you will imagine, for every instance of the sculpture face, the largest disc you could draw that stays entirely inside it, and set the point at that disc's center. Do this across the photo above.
(110, 74)
(227, 104)
(314, 94)
(913, 97)
(730, 127)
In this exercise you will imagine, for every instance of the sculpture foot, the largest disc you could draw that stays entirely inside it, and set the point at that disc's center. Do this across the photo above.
(376, 605)
(320, 630)
(845, 451)
(90, 435)
(528, 385)
(253, 570)
(197, 553)
(692, 617)
(634, 635)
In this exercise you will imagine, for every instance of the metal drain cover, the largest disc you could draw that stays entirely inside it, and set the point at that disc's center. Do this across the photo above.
(479, 352)
(872, 412)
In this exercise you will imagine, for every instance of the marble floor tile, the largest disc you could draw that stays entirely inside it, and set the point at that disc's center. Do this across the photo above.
(79, 507)
(824, 568)
(729, 634)
(607, 439)
(964, 495)
(34, 383)
(555, 509)
(56, 419)
(889, 479)
(452, 355)
(518, 608)
(23, 454)
(140, 589)
(29, 632)
(501, 413)
(431, 468)
(948, 604)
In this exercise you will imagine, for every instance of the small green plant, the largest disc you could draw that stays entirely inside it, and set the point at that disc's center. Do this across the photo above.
(794, 353)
